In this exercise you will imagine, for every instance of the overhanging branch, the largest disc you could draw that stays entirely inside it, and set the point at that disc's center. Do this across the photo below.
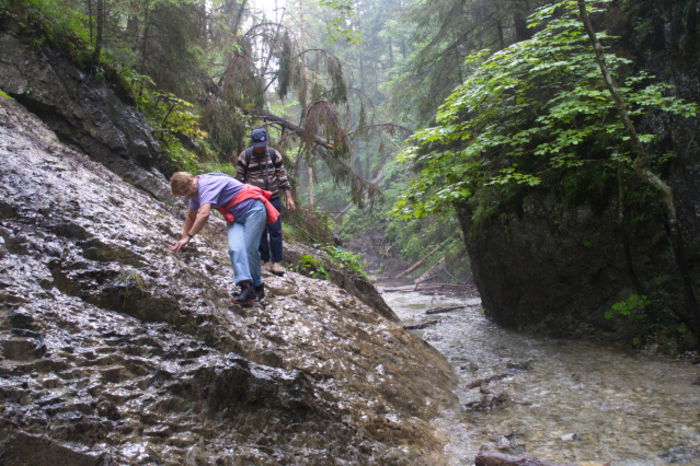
(291, 127)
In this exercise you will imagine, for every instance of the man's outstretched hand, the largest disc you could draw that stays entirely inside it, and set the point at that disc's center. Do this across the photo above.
(180, 244)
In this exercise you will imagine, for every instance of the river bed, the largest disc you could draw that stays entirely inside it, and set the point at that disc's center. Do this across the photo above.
(557, 400)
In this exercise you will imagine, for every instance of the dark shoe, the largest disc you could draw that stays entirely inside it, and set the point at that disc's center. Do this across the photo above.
(260, 291)
(247, 294)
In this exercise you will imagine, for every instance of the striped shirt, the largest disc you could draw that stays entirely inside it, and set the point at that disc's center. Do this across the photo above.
(264, 170)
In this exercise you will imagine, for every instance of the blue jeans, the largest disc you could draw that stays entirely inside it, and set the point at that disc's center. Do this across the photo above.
(271, 241)
(243, 241)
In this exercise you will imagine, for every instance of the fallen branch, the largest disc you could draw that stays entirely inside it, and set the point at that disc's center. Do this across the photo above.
(436, 286)
(440, 286)
(484, 381)
(443, 285)
(399, 290)
(440, 310)
(428, 274)
(421, 260)
(420, 326)
(294, 128)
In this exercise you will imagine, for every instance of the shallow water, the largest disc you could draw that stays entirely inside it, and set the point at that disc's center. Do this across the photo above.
(558, 400)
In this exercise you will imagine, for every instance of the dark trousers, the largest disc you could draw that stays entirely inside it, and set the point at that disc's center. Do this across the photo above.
(271, 240)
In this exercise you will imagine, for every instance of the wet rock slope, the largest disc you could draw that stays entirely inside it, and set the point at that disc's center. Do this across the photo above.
(115, 351)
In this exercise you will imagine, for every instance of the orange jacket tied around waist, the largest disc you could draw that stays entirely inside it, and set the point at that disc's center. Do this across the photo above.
(251, 192)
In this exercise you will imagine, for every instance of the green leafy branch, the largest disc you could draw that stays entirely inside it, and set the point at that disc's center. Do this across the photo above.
(173, 119)
(311, 267)
(537, 110)
(345, 259)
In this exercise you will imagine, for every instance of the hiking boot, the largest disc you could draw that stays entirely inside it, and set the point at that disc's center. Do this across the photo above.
(277, 268)
(268, 266)
(260, 291)
(247, 295)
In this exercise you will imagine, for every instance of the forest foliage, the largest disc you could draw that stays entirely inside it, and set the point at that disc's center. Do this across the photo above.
(528, 115)
(203, 72)
(317, 75)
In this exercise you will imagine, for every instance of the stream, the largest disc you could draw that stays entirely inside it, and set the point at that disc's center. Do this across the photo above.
(557, 400)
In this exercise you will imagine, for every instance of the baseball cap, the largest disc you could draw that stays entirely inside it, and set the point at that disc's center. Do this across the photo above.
(259, 137)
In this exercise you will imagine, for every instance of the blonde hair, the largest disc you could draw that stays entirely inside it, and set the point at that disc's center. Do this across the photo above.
(179, 183)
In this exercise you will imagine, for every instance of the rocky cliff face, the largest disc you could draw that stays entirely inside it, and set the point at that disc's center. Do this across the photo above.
(549, 266)
(83, 113)
(555, 266)
(114, 350)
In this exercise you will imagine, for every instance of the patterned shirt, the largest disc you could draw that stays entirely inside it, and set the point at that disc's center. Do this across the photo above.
(264, 170)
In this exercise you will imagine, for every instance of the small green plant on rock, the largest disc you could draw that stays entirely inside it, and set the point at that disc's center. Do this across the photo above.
(632, 308)
(311, 267)
(632, 312)
(174, 120)
(346, 260)
(648, 325)
(132, 280)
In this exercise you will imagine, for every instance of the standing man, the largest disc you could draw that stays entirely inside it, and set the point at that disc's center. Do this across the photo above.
(246, 209)
(263, 166)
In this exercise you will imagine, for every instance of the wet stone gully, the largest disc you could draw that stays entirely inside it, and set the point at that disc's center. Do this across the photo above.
(561, 401)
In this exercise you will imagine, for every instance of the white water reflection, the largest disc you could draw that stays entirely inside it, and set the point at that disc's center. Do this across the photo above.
(558, 400)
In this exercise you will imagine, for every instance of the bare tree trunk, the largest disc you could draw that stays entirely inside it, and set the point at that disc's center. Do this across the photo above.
(239, 17)
(624, 233)
(144, 41)
(312, 200)
(460, 74)
(501, 37)
(89, 5)
(391, 52)
(521, 30)
(641, 168)
(691, 28)
(361, 60)
(101, 16)
(442, 310)
(133, 30)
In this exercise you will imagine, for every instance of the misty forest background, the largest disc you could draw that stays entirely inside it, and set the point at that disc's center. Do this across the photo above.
(390, 113)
